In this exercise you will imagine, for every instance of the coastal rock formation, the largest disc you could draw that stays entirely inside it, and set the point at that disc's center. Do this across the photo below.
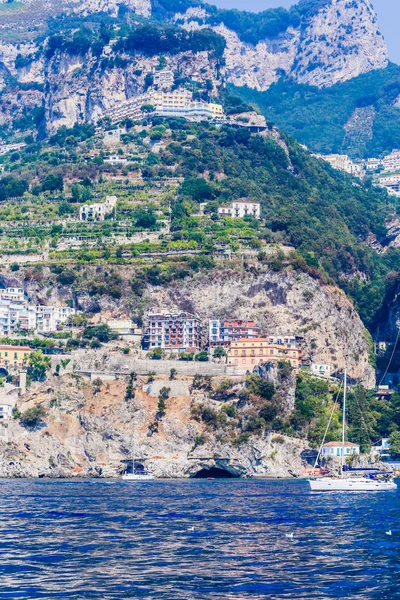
(90, 428)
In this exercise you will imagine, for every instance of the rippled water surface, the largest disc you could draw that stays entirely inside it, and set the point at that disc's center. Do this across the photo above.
(195, 539)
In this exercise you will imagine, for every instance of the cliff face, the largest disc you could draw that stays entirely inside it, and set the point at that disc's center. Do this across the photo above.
(338, 43)
(341, 41)
(281, 303)
(89, 431)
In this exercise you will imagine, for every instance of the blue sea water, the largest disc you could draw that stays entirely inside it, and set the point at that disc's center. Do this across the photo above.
(195, 539)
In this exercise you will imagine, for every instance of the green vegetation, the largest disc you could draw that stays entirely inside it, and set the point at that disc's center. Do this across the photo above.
(250, 27)
(32, 417)
(38, 366)
(317, 117)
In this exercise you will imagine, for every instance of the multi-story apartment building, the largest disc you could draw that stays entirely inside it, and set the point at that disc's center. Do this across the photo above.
(14, 357)
(224, 332)
(16, 317)
(175, 332)
(163, 80)
(51, 318)
(241, 208)
(245, 354)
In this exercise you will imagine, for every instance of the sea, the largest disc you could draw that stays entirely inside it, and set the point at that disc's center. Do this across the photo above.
(196, 539)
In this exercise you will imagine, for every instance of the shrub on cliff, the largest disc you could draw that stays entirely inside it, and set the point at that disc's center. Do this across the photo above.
(32, 417)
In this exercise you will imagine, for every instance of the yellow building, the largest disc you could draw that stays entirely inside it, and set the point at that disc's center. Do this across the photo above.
(14, 357)
(246, 354)
(217, 109)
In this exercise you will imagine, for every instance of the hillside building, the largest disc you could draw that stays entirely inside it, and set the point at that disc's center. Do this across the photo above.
(14, 357)
(334, 449)
(163, 80)
(224, 332)
(164, 103)
(12, 294)
(98, 212)
(50, 319)
(246, 354)
(175, 332)
(241, 208)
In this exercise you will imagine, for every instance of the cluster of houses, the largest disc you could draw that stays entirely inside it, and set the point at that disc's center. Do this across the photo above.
(387, 167)
(246, 348)
(18, 316)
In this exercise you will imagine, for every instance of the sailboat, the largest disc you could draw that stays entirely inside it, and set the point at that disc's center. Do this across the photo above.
(374, 481)
(137, 474)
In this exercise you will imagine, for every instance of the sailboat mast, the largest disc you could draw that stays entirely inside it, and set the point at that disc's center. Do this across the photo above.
(344, 418)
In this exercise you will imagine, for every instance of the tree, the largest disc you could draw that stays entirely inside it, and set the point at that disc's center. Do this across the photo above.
(172, 374)
(145, 218)
(32, 417)
(53, 182)
(394, 441)
(101, 332)
(219, 352)
(162, 404)
(202, 356)
(38, 366)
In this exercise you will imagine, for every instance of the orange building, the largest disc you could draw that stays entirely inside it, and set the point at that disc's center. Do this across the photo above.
(247, 354)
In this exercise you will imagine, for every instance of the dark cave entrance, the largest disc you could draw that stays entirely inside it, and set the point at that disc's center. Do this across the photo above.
(215, 473)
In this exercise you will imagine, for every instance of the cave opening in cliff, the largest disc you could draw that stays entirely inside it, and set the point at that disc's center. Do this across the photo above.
(214, 473)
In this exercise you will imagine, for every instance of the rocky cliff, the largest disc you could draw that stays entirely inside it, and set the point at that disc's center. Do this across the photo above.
(339, 41)
(89, 430)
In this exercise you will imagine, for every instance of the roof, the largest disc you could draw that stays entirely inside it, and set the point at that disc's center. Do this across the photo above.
(336, 444)
(16, 348)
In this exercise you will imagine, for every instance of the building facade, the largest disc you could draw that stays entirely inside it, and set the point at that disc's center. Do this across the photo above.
(320, 370)
(334, 449)
(50, 319)
(224, 332)
(241, 208)
(14, 357)
(98, 212)
(246, 354)
(12, 294)
(175, 332)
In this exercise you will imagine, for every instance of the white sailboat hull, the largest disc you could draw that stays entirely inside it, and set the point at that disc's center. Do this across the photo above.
(347, 484)
(137, 477)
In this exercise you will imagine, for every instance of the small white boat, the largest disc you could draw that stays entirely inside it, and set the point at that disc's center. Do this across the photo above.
(138, 473)
(374, 481)
(138, 476)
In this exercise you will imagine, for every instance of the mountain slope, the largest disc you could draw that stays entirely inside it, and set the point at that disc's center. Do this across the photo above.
(360, 117)
(66, 56)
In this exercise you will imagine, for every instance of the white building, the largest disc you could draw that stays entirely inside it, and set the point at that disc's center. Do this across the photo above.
(241, 208)
(16, 317)
(163, 103)
(5, 412)
(391, 162)
(391, 183)
(373, 164)
(334, 449)
(163, 80)
(321, 370)
(382, 448)
(98, 212)
(175, 332)
(115, 159)
(50, 319)
(12, 294)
